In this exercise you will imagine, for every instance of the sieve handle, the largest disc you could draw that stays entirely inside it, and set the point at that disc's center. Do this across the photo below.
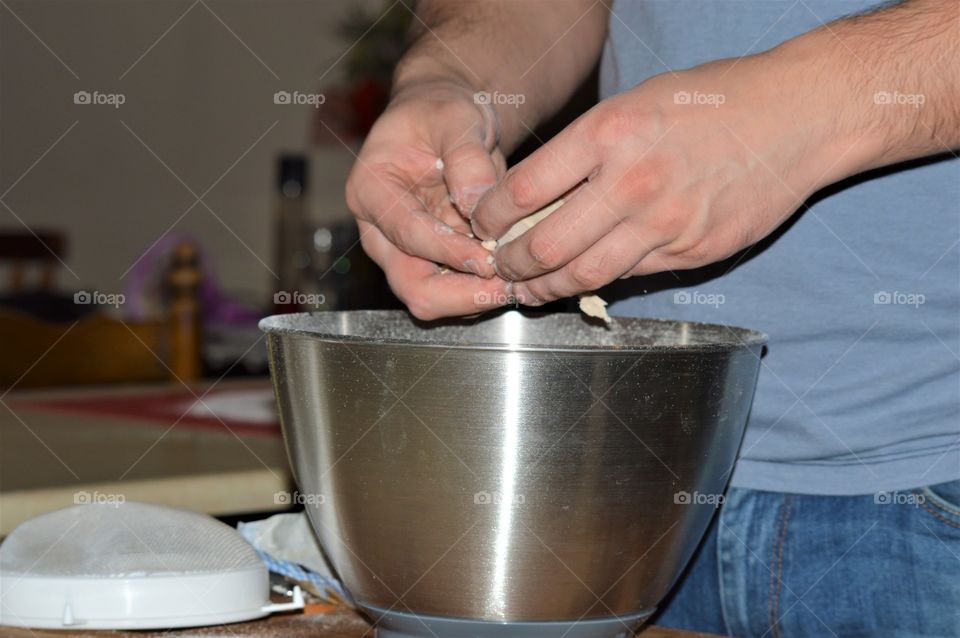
(294, 605)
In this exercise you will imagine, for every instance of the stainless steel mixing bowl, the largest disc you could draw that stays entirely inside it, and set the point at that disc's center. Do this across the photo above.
(516, 468)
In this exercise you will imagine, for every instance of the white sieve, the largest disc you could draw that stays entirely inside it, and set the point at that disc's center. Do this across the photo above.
(129, 565)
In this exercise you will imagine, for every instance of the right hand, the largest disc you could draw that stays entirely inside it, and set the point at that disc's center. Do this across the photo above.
(413, 211)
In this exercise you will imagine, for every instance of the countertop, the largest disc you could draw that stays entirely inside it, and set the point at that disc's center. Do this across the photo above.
(50, 458)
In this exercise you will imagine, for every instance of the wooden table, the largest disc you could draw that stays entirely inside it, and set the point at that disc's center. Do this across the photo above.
(47, 458)
(323, 622)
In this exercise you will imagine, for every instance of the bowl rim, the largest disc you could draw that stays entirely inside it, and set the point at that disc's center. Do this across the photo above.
(291, 324)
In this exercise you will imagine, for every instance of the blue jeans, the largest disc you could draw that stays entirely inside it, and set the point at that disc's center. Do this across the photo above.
(784, 565)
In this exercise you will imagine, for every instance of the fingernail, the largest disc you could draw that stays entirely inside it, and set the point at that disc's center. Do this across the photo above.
(503, 271)
(524, 296)
(473, 266)
(466, 199)
(443, 228)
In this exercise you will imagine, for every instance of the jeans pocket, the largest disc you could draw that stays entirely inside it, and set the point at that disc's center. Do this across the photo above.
(943, 502)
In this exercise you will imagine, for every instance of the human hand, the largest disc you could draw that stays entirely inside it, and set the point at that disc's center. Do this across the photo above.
(422, 169)
(684, 170)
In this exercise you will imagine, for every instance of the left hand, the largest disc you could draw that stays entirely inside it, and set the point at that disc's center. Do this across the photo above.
(684, 170)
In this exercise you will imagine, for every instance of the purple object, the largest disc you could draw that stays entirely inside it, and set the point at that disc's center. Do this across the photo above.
(144, 284)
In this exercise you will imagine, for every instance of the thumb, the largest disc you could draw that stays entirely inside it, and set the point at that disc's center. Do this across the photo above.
(469, 165)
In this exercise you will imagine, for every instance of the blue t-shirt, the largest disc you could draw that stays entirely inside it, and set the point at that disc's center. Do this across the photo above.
(859, 291)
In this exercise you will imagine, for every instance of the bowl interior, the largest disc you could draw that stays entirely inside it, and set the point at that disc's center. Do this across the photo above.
(513, 330)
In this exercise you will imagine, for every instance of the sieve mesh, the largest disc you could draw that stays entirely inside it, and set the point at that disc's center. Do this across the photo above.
(125, 539)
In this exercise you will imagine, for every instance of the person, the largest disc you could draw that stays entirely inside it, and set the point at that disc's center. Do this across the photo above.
(786, 166)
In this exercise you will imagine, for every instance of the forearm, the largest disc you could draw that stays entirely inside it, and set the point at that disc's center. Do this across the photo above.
(887, 83)
(537, 49)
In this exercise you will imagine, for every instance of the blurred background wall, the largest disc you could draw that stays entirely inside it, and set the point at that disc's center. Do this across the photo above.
(198, 80)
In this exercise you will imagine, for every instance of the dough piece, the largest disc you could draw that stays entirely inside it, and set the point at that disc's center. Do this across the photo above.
(529, 222)
(590, 305)
(594, 306)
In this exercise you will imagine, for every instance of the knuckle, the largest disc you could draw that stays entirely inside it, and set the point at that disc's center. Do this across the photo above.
(422, 313)
(641, 182)
(541, 293)
(404, 233)
(521, 189)
(351, 191)
(693, 252)
(420, 307)
(668, 222)
(368, 242)
(615, 124)
(544, 252)
(699, 254)
(587, 274)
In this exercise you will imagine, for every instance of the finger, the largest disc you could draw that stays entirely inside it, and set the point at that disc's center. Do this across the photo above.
(424, 289)
(499, 162)
(449, 216)
(696, 247)
(469, 172)
(610, 258)
(454, 294)
(440, 206)
(581, 222)
(401, 217)
(552, 170)
(470, 162)
(656, 262)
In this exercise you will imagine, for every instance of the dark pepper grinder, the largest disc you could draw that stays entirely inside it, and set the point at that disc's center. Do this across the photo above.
(291, 255)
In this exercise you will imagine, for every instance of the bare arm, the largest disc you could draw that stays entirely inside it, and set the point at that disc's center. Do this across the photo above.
(538, 49)
(891, 76)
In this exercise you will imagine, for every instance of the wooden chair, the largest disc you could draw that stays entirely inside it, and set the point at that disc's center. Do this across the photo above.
(21, 250)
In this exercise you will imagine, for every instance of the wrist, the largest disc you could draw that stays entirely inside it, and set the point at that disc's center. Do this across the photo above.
(511, 113)
(437, 89)
(833, 100)
(416, 70)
